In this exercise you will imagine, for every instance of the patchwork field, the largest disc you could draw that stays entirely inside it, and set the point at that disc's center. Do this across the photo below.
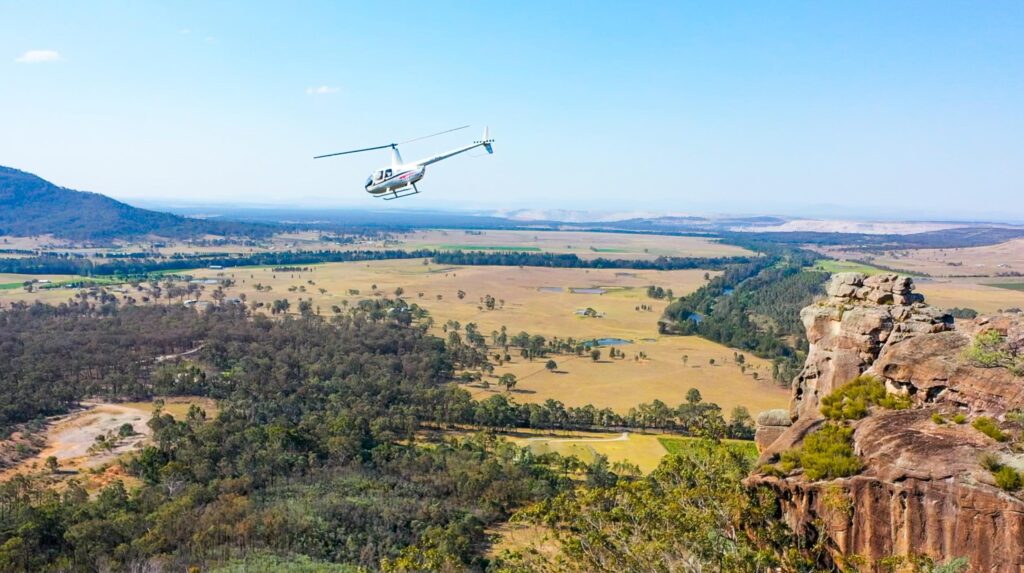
(990, 260)
(545, 301)
(584, 244)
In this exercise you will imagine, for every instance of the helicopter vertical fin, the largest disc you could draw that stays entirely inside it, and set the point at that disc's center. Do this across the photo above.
(487, 140)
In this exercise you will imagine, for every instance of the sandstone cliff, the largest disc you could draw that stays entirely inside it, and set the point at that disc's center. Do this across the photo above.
(922, 490)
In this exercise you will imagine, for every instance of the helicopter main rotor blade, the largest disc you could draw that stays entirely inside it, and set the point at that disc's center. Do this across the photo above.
(433, 134)
(392, 145)
(356, 151)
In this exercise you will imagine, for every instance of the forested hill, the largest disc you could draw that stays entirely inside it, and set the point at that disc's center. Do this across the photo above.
(30, 205)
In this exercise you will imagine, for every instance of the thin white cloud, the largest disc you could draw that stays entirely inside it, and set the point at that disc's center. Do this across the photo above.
(322, 90)
(38, 57)
(185, 31)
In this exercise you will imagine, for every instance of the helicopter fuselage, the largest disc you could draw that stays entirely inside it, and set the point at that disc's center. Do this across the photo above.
(390, 179)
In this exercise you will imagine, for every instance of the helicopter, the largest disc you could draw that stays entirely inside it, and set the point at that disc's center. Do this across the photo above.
(400, 179)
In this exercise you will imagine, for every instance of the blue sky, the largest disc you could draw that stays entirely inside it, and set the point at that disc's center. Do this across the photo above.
(885, 109)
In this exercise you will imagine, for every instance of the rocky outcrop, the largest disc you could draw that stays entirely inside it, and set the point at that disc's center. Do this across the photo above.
(922, 490)
(850, 328)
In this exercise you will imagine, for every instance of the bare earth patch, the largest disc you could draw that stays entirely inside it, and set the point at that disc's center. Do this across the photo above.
(71, 438)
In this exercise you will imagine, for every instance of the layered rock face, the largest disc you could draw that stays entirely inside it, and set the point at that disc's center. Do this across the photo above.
(922, 490)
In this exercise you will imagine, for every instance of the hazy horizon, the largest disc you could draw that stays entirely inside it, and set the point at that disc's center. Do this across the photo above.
(879, 111)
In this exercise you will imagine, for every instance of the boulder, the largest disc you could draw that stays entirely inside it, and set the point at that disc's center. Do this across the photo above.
(770, 425)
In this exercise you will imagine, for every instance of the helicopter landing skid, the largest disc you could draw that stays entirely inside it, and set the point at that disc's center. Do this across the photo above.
(402, 192)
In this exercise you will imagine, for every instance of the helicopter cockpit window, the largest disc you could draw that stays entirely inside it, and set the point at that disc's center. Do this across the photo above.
(369, 181)
(387, 173)
(378, 175)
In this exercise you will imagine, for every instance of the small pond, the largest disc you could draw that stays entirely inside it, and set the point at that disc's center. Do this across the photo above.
(550, 289)
(610, 341)
(588, 290)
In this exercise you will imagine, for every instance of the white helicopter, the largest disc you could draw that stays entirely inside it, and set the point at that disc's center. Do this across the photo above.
(400, 179)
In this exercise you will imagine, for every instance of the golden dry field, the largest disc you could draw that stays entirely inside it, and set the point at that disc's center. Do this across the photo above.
(583, 243)
(640, 449)
(970, 293)
(8, 278)
(32, 243)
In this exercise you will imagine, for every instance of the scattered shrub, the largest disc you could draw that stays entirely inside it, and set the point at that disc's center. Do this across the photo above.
(990, 462)
(852, 400)
(959, 418)
(990, 350)
(826, 454)
(988, 426)
(771, 470)
(964, 313)
(1016, 416)
(776, 417)
(937, 418)
(1008, 478)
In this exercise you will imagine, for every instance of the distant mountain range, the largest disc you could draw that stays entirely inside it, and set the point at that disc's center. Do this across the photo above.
(30, 205)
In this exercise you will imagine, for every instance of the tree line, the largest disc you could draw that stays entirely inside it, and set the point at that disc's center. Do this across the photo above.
(573, 261)
(139, 264)
(694, 417)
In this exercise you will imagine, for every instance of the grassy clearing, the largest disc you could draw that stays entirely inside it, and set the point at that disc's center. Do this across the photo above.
(176, 406)
(643, 450)
(834, 266)
(10, 286)
(684, 445)
(1008, 286)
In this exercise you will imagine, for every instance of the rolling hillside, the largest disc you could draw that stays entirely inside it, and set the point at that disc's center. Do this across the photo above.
(30, 205)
